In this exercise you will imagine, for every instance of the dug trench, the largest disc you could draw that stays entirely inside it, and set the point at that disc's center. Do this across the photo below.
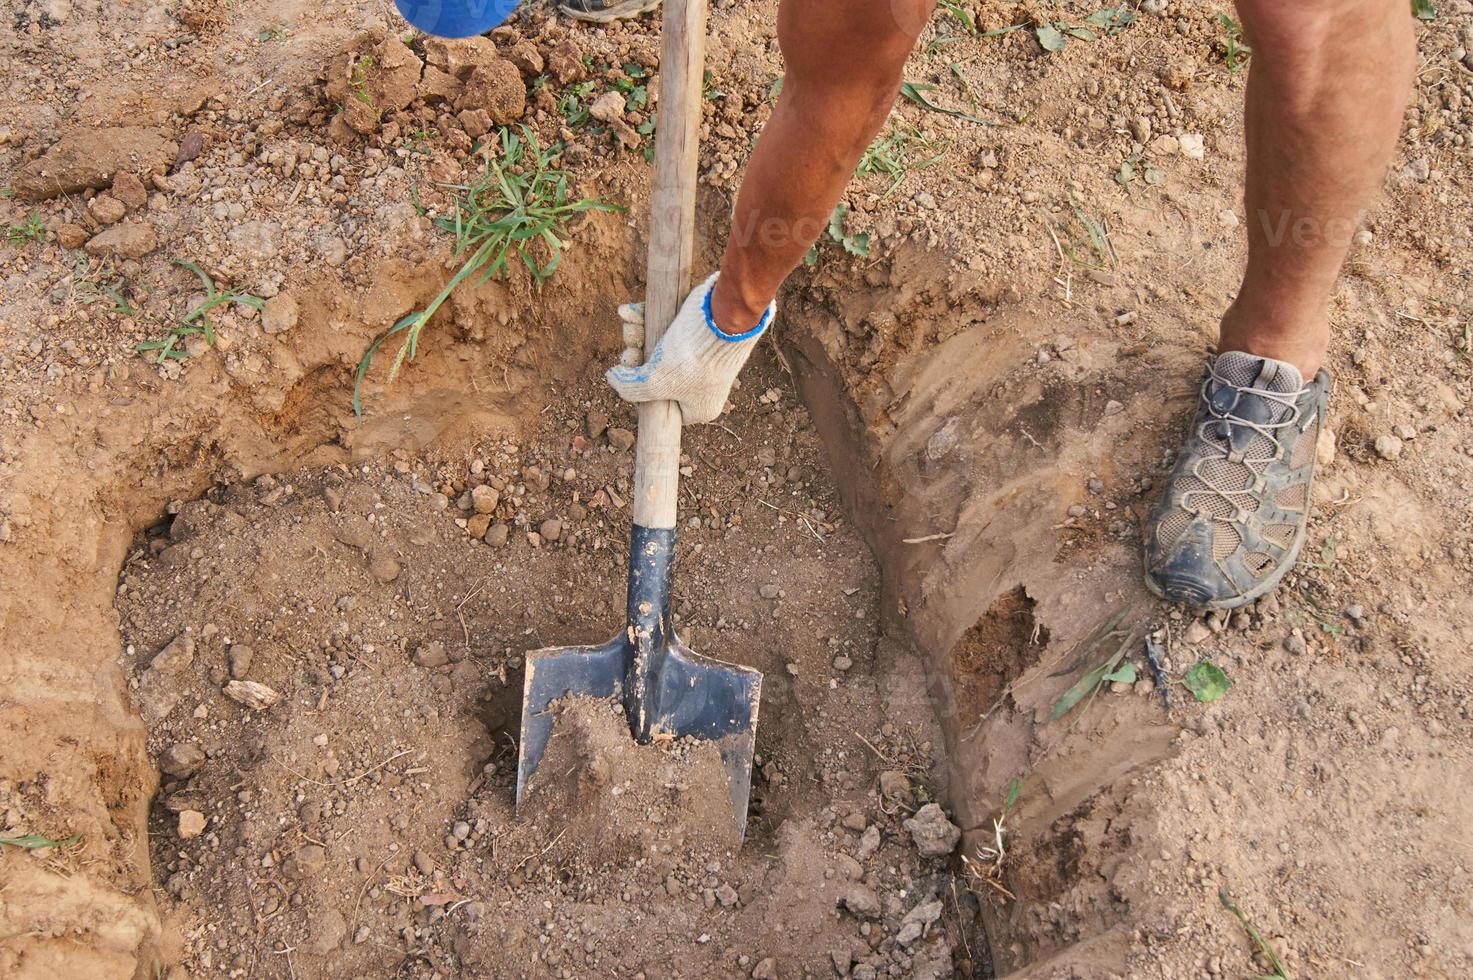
(326, 654)
(921, 521)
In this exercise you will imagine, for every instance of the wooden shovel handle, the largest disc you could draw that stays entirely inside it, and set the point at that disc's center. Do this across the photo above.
(671, 247)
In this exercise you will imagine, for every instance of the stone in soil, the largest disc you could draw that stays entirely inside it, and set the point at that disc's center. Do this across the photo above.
(933, 833)
(256, 696)
(87, 159)
(181, 760)
(128, 240)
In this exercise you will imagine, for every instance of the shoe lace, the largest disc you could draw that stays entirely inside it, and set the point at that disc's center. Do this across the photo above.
(1216, 432)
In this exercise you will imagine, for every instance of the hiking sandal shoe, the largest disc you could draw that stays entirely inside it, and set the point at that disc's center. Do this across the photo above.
(1234, 513)
(605, 11)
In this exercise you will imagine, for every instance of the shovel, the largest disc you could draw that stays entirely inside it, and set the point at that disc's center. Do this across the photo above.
(667, 690)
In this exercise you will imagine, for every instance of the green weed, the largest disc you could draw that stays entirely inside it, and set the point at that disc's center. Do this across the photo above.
(857, 245)
(1264, 948)
(32, 842)
(1235, 53)
(33, 229)
(518, 208)
(916, 92)
(1084, 231)
(1206, 681)
(1088, 686)
(1424, 10)
(897, 153)
(197, 321)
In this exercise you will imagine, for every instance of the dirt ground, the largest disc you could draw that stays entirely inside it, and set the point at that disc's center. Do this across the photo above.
(260, 659)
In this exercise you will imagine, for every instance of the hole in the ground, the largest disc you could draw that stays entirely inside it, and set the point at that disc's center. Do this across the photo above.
(990, 655)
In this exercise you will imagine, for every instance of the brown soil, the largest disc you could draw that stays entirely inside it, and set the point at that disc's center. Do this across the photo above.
(925, 501)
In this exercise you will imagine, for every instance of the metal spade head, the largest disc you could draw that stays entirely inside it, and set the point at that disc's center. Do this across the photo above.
(666, 688)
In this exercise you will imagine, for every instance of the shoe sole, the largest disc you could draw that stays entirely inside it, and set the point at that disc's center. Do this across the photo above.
(1252, 595)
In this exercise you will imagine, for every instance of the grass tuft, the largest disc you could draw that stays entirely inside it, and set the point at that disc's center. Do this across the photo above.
(519, 208)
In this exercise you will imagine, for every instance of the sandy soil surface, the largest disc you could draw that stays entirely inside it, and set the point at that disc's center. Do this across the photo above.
(260, 657)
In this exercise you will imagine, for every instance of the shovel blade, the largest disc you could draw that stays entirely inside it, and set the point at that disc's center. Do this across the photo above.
(694, 697)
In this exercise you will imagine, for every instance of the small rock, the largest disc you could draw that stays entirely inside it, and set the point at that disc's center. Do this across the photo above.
(1166, 145)
(608, 107)
(869, 843)
(129, 190)
(1355, 612)
(1404, 432)
(181, 760)
(933, 833)
(305, 862)
(326, 931)
(550, 529)
(383, 568)
(431, 654)
(895, 785)
(1295, 644)
(478, 525)
(280, 314)
(71, 236)
(769, 591)
(766, 969)
(497, 535)
(595, 425)
(1388, 447)
(239, 659)
(257, 697)
(106, 209)
(1197, 632)
(1192, 146)
(621, 439)
(917, 921)
(860, 900)
(1324, 447)
(128, 240)
(484, 498)
(854, 821)
(726, 895)
(1112, 407)
(849, 867)
(191, 824)
(423, 863)
(174, 657)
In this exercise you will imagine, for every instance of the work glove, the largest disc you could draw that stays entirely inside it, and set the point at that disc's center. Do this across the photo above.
(694, 364)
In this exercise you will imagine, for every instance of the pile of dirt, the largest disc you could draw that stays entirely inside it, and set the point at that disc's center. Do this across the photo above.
(612, 794)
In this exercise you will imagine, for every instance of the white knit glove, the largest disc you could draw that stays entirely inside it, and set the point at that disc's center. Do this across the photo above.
(694, 363)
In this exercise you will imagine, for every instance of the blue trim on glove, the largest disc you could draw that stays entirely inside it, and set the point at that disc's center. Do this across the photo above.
(733, 337)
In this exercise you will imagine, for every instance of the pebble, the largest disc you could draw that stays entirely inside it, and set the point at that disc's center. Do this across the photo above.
(1192, 146)
(431, 654)
(305, 862)
(280, 314)
(191, 824)
(1295, 644)
(934, 835)
(239, 659)
(383, 568)
(1388, 447)
(621, 439)
(497, 535)
(861, 901)
(484, 499)
(181, 760)
(769, 591)
(257, 697)
(869, 843)
(608, 107)
(1078, 510)
(550, 529)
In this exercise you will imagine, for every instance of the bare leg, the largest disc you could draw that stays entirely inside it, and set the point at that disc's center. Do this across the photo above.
(1327, 87)
(844, 62)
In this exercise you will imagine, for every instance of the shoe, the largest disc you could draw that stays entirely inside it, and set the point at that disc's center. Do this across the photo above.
(604, 11)
(1233, 515)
